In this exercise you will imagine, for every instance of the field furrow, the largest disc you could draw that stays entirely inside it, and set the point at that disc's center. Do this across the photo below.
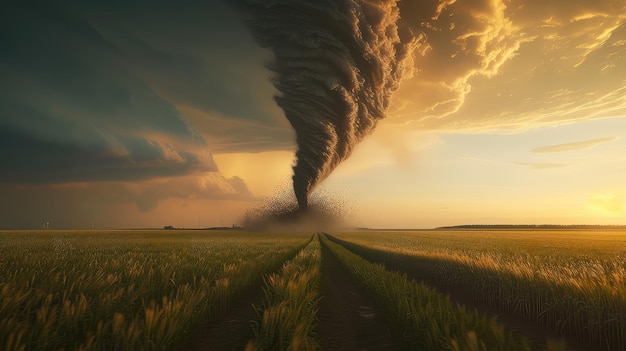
(387, 290)
(287, 319)
(586, 313)
(349, 318)
(428, 319)
(231, 329)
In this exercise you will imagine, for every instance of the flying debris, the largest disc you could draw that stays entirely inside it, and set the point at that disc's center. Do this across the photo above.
(281, 214)
(337, 63)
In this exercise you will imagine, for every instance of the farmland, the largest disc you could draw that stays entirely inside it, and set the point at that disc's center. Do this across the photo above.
(421, 290)
(573, 283)
(125, 290)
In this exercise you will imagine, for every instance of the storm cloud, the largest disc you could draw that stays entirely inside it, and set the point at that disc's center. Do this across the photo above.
(95, 92)
(119, 81)
(141, 93)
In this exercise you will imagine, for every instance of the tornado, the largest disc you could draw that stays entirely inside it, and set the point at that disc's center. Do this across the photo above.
(336, 65)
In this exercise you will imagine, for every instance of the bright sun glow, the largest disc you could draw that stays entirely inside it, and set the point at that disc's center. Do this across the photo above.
(609, 204)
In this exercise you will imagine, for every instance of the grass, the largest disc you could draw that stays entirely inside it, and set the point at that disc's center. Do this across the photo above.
(124, 290)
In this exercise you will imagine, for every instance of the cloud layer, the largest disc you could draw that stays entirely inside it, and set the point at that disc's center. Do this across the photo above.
(110, 204)
(139, 94)
(578, 145)
(155, 83)
(129, 91)
(513, 64)
(93, 101)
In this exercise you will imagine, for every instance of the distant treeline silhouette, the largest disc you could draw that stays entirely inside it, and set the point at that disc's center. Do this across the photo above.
(534, 226)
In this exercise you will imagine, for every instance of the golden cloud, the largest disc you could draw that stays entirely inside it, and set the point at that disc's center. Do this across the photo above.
(513, 64)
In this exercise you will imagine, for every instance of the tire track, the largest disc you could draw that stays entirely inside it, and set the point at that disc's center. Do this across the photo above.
(231, 329)
(348, 317)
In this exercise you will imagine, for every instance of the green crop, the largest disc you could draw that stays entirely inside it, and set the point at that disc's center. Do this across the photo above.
(124, 290)
(430, 320)
(571, 282)
(288, 317)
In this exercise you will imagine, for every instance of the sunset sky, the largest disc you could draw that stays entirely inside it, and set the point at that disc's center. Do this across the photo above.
(145, 114)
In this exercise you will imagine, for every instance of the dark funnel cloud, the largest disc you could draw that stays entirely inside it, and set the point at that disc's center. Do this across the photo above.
(337, 62)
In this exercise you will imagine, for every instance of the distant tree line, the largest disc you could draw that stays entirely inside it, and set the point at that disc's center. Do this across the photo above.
(534, 226)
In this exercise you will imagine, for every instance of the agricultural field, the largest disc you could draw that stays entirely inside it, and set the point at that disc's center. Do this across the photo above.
(572, 283)
(125, 290)
(236, 290)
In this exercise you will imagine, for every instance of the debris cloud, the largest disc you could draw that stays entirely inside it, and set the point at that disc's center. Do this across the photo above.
(282, 214)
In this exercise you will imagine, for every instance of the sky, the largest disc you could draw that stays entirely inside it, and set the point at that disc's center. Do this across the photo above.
(134, 114)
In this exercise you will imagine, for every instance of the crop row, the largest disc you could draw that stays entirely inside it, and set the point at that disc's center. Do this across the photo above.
(147, 291)
(142, 291)
(430, 319)
(586, 258)
(288, 317)
(591, 307)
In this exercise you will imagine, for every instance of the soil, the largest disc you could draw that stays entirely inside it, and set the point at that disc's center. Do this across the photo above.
(348, 318)
(232, 329)
(536, 334)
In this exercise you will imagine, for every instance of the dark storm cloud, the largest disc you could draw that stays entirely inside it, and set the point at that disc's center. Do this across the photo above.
(95, 92)
(70, 109)
(25, 158)
(199, 56)
(56, 63)
(81, 205)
